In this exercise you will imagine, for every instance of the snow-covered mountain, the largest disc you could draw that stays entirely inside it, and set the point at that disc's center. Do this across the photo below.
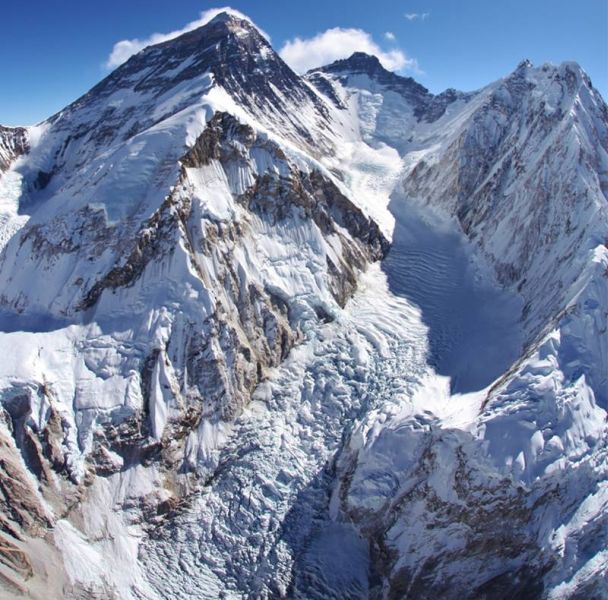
(325, 336)
(494, 506)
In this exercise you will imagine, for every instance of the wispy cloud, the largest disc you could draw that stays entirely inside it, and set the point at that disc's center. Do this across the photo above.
(124, 49)
(390, 36)
(417, 16)
(333, 44)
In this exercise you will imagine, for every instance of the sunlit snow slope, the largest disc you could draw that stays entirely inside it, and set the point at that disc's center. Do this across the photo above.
(219, 379)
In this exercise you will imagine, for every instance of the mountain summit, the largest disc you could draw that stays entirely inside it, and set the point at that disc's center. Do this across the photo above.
(426, 106)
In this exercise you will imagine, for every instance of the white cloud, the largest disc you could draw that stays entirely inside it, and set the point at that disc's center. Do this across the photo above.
(124, 49)
(417, 16)
(390, 36)
(333, 44)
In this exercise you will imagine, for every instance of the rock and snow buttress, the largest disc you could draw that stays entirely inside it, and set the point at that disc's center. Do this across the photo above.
(324, 336)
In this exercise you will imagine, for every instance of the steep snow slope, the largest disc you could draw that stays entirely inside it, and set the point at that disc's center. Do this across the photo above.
(526, 176)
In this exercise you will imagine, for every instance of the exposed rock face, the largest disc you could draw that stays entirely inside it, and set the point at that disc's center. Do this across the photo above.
(13, 144)
(27, 516)
(273, 197)
(489, 550)
(442, 520)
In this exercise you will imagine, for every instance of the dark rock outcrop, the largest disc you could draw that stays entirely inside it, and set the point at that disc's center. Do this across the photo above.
(13, 144)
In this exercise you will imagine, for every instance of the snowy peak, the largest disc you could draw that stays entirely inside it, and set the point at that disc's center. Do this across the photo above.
(524, 64)
(541, 133)
(566, 80)
(361, 63)
(227, 46)
(228, 49)
(218, 47)
(364, 71)
(226, 63)
(358, 62)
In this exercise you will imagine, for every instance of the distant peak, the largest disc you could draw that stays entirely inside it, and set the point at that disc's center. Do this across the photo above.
(359, 62)
(234, 21)
(230, 18)
(364, 58)
(224, 16)
(524, 64)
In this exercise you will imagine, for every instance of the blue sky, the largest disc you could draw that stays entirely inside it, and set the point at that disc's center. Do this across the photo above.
(52, 52)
